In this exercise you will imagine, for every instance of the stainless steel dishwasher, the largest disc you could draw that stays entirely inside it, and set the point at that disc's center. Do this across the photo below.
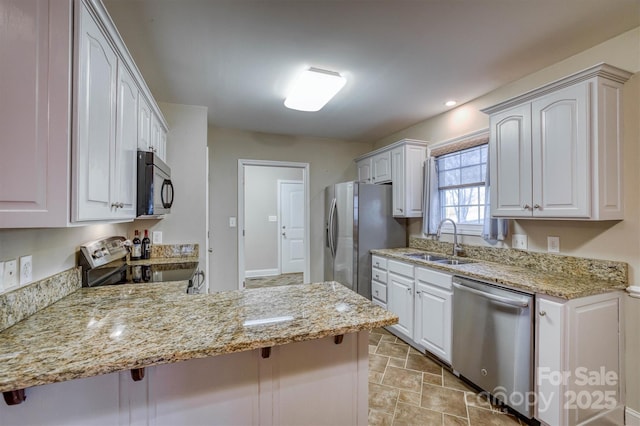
(493, 340)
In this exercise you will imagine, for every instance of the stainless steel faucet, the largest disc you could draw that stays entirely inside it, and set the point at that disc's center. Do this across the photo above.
(456, 247)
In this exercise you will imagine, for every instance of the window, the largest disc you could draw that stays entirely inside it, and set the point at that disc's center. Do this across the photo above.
(461, 185)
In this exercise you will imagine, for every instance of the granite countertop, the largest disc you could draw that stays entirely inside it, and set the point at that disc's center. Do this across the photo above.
(534, 281)
(101, 330)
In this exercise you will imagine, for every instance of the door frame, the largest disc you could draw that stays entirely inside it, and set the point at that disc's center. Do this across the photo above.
(279, 201)
(240, 230)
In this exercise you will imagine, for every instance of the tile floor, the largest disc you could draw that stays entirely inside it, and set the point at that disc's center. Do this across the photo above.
(276, 280)
(407, 388)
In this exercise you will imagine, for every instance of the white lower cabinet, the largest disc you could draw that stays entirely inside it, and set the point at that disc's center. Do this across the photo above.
(400, 296)
(434, 296)
(305, 383)
(422, 299)
(579, 365)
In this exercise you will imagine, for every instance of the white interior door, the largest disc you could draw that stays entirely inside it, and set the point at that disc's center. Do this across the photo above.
(292, 249)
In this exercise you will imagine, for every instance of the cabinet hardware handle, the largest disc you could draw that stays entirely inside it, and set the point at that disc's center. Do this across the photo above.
(542, 313)
(14, 397)
(409, 289)
(338, 339)
(400, 210)
(536, 206)
(526, 207)
(377, 293)
(419, 293)
(377, 277)
(265, 352)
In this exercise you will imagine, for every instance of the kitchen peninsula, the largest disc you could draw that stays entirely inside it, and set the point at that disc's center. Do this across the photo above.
(250, 357)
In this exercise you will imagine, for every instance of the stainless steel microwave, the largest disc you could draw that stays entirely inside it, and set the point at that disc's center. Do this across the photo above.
(155, 189)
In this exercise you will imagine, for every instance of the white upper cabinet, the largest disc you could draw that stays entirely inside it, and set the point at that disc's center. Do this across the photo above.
(408, 178)
(556, 152)
(96, 124)
(381, 164)
(35, 88)
(402, 164)
(144, 125)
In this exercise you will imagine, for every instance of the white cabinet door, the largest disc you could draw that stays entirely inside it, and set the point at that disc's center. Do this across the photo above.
(560, 153)
(162, 146)
(35, 94)
(156, 130)
(510, 162)
(433, 319)
(96, 126)
(397, 172)
(400, 302)
(124, 195)
(381, 167)
(407, 171)
(144, 125)
(364, 170)
(550, 355)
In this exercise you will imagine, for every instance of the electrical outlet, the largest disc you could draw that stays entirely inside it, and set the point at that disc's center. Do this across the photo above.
(157, 237)
(273, 218)
(10, 274)
(26, 269)
(519, 241)
(553, 244)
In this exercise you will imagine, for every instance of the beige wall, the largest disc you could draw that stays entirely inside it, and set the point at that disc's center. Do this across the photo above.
(603, 240)
(260, 202)
(330, 161)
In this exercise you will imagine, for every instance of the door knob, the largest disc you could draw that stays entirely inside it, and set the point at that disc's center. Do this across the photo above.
(284, 234)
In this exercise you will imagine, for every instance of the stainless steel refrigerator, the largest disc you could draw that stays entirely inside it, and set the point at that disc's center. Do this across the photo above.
(358, 218)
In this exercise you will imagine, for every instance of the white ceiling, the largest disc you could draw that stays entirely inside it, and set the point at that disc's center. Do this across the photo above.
(402, 58)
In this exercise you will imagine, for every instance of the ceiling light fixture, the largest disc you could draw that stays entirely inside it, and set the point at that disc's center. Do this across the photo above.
(450, 103)
(313, 89)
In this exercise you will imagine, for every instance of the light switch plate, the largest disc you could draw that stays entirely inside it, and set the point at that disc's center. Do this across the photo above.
(553, 244)
(232, 222)
(10, 273)
(519, 241)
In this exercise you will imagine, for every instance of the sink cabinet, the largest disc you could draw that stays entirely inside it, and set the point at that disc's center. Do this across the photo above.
(402, 164)
(556, 152)
(422, 299)
(579, 340)
(433, 320)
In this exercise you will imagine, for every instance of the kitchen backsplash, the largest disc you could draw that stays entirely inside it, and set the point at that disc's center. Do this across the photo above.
(608, 270)
(175, 250)
(24, 301)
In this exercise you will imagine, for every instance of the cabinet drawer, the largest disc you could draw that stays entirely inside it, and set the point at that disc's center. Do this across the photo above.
(378, 275)
(432, 277)
(400, 268)
(379, 291)
(379, 262)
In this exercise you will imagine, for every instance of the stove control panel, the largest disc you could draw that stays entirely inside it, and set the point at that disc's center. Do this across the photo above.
(103, 251)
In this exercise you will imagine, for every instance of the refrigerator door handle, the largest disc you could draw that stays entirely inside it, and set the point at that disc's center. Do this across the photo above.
(331, 228)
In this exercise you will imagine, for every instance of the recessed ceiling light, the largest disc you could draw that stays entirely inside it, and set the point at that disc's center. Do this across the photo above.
(450, 103)
(313, 89)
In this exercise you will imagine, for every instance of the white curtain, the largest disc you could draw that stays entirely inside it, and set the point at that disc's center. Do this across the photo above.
(494, 230)
(431, 198)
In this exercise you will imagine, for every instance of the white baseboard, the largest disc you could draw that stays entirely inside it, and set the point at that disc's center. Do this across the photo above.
(631, 417)
(261, 273)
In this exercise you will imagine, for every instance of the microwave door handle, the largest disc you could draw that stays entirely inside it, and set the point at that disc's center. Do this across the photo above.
(166, 184)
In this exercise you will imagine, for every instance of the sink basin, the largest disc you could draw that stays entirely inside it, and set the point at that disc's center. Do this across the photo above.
(454, 261)
(427, 257)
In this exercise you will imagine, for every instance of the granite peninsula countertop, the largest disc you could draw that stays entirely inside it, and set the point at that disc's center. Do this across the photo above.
(535, 281)
(101, 330)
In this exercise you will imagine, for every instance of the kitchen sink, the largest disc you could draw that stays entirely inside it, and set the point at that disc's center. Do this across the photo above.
(427, 257)
(454, 261)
